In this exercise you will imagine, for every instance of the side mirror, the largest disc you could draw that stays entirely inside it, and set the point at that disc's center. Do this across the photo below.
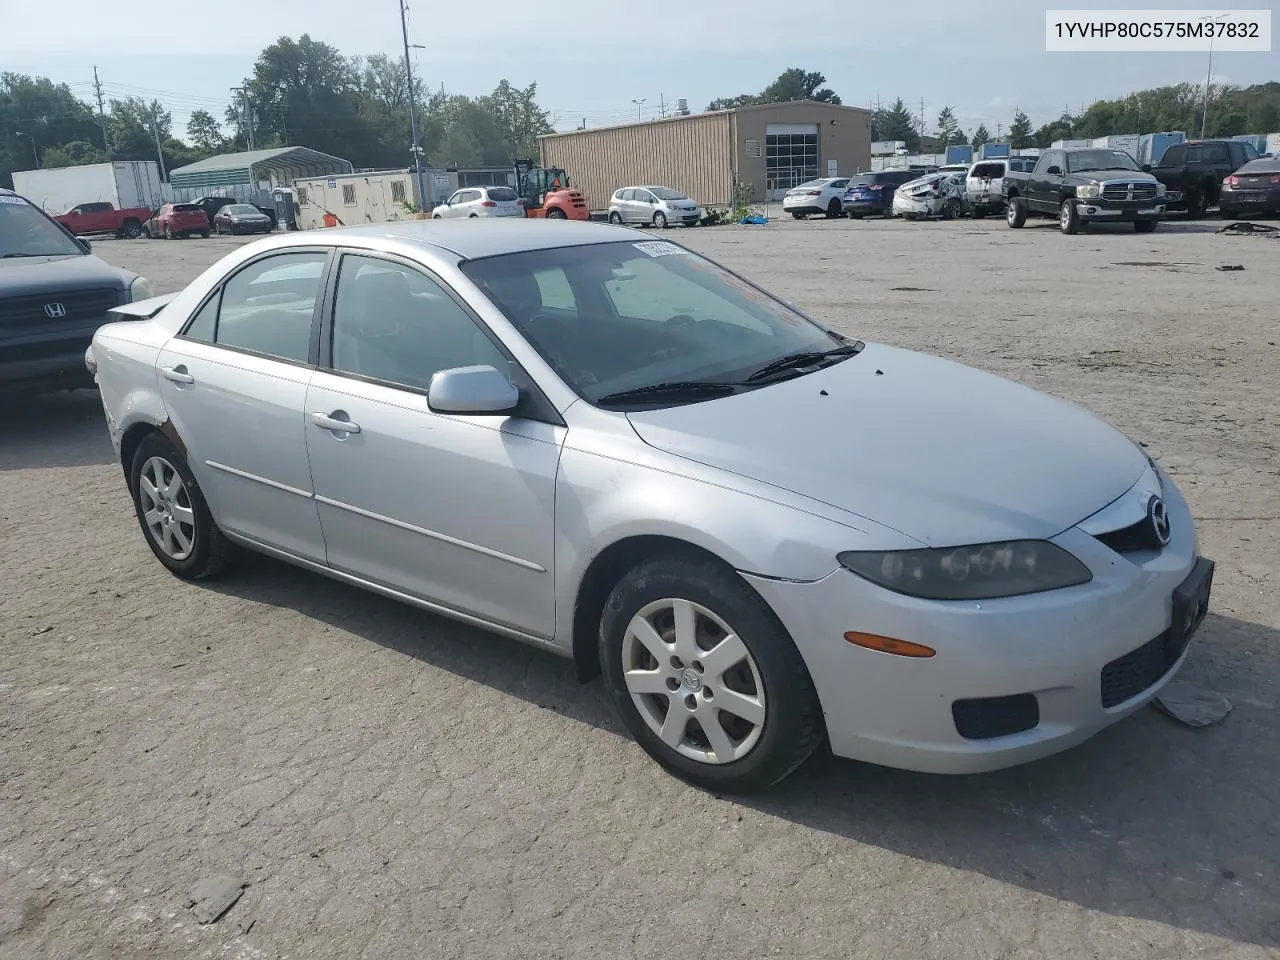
(475, 391)
(88, 247)
(1146, 168)
(1054, 171)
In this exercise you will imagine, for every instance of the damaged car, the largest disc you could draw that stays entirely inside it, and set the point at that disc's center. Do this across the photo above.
(936, 195)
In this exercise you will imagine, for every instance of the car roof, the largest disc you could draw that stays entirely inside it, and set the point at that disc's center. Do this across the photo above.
(472, 239)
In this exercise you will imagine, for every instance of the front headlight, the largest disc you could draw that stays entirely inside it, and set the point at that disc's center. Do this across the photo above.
(1161, 189)
(984, 571)
(140, 289)
(1089, 191)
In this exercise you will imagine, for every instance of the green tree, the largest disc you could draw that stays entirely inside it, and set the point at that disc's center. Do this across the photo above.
(205, 133)
(896, 123)
(519, 117)
(135, 124)
(791, 84)
(1061, 129)
(72, 154)
(1020, 131)
(980, 136)
(948, 129)
(34, 110)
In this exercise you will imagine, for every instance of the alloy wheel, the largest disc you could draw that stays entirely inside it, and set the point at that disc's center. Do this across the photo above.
(166, 508)
(693, 681)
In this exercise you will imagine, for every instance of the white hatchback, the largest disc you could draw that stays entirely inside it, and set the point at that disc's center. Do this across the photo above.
(480, 202)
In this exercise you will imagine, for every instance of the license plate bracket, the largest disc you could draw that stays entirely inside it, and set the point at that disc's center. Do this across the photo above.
(1190, 605)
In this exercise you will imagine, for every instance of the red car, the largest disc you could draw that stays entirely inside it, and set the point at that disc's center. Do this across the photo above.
(177, 220)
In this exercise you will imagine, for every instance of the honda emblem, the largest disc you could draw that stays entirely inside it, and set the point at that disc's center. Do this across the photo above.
(54, 310)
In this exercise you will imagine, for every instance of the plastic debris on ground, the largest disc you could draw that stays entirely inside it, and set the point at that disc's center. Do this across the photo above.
(1246, 228)
(754, 218)
(1191, 704)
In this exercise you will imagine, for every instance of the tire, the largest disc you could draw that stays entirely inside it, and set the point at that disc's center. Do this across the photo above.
(132, 230)
(799, 216)
(1197, 204)
(168, 232)
(951, 209)
(615, 218)
(769, 676)
(208, 553)
(1015, 213)
(555, 213)
(1144, 226)
(833, 209)
(217, 229)
(435, 216)
(1069, 218)
(474, 216)
(204, 234)
(660, 220)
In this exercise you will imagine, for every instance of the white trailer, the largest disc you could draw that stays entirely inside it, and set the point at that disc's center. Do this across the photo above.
(349, 199)
(122, 183)
(1128, 142)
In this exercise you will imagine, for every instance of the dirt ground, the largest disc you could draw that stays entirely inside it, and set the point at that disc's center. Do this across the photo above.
(392, 785)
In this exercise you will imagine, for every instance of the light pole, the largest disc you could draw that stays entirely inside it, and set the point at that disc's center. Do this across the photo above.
(34, 153)
(637, 103)
(1204, 116)
(413, 109)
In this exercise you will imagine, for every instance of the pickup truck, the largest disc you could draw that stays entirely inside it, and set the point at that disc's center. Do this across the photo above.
(54, 294)
(1082, 186)
(103, 217)
(1193, 171)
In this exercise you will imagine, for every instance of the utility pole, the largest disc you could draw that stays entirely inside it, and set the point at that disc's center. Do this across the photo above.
(413, 108)
(155, 132)
(246, 116)
(637, 103)
(1208, 77)
(102, 111)
(662, 105)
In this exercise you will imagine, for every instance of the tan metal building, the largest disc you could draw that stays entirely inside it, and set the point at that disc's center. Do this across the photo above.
(772, 146)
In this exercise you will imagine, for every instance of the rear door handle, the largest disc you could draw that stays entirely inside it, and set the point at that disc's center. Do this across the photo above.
(330, 421)
(178, 374)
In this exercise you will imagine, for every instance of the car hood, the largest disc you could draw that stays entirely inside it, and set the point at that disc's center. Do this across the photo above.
(943, 453)
(1097, 176)
(23, 276)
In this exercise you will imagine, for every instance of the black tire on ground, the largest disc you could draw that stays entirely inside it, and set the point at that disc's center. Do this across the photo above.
(833, 209)
(555, 213)
(1016, 213)
(211, 552)
(168, 232)
(1069, 218)
(951, 210)
(204, 234)
(799, 216)
(660, 220)
(793, 726)
(615, 218)
(1144, 226)
(132, 230)
(1197, 204)
(435, 216)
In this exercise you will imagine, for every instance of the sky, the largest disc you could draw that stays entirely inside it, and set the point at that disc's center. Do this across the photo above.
(593, 60)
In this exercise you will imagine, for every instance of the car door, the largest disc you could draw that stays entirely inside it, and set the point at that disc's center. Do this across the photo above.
(1040, 187)
(631, 211)
(454, 510)
(451, 209)
(234, 383)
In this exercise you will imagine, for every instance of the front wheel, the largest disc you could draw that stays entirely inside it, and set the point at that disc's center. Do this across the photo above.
(660, 220)
(705, 676)
(1144, 226)
(951, 209)
(1016, 213)
(168, 232)
(555, 213)
(1197, 204)
(173, 514)
(1069, 218)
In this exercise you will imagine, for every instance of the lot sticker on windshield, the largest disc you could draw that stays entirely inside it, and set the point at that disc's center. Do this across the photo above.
(8, 199)
(660, 248)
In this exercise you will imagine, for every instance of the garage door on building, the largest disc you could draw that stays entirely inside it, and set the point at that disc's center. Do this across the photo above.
(791, 151)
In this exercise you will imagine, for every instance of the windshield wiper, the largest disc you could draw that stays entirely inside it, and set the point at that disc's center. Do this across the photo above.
(796, 361)
(672, 390)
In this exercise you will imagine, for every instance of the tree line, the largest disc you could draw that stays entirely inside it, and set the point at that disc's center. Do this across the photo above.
(304, 92)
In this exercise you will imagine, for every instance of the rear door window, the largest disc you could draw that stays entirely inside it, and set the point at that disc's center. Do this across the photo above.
(267, 307)
(502, 193)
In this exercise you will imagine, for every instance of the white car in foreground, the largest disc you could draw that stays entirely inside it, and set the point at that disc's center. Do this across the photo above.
(617, 450)
(824, 195)
(936, 195)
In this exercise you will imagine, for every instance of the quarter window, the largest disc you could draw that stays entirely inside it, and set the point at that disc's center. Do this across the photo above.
(393, 323)
(267, 307)
(349, 194)
(397, 191)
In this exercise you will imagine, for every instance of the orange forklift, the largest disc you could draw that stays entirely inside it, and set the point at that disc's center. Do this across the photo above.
(547, 193)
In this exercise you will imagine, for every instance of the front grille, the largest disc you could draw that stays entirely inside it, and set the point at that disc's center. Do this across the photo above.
(1132, 539)
(1120, 191)
(1126, 677)
(81, 306)
(986, 718)
(44, 349)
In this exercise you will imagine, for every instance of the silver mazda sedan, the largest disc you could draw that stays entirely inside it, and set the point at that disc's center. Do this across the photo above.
(762, 532)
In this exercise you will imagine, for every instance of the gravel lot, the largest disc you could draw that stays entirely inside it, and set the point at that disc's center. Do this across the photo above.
(391, 785)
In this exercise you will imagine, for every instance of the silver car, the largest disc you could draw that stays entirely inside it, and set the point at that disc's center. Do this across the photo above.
(473, 202)
(653, 206)
(763, 533)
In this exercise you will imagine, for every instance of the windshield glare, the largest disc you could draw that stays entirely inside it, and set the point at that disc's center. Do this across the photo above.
(241, 208)
(662, 193)
(611, 317)
(1084, 160)
(26, 232)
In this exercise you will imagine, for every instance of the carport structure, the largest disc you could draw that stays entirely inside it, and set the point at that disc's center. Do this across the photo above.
(260, 169)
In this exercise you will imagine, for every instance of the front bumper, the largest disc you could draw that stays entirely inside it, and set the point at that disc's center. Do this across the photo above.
(1120, 213)
(60, 366)
(898, 712)
(264, 227)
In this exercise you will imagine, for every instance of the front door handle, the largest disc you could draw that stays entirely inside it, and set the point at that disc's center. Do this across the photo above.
(178, 374)
(331, 421)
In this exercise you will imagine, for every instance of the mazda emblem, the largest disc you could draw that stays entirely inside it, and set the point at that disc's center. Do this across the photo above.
(1158, 517)
(54, 310)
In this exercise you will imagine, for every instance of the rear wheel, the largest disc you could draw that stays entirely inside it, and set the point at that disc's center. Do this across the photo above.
(705, 676)
(173, 514)
(833, 209)
(951, 209)
(1197, 204)
(132, 230)
(168, 232)
(1069, 217)
(799, 216)
(1016, 213)
(204, 234)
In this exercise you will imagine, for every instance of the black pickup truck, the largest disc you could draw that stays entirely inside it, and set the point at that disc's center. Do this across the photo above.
(53, 295)
(1193, 171)
(1077, 187)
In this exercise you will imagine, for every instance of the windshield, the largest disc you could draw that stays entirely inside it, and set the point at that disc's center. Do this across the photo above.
(663, 193)
(241, 208)
(26, 232)
(1083, 161)
(613, 317)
